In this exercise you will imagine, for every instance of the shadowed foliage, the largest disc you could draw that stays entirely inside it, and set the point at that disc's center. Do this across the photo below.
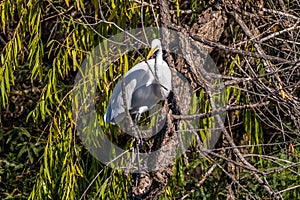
(254, 44)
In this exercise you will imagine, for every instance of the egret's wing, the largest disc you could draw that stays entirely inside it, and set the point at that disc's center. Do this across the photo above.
(146, 96)
(134, 78)
(142, 89)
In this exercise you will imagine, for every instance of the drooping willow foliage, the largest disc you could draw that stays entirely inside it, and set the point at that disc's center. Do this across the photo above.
(44, 43)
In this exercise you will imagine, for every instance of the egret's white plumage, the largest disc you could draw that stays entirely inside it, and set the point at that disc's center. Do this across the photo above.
(145, 85)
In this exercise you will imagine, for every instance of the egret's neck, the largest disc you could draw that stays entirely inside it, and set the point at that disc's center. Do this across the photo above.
(159, 58)
(159, 65)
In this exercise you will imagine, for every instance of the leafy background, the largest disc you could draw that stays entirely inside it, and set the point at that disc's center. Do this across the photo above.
(43, 44)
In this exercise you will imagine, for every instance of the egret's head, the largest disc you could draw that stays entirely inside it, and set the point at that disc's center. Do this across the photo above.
(155, 45)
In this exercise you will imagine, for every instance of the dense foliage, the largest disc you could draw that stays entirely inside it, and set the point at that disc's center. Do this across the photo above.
(44, 43)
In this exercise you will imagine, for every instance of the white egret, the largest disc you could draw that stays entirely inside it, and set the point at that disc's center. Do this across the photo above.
(146, 84)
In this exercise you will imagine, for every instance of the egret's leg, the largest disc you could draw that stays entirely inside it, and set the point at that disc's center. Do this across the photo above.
(137, 118)
(139, 141)
(138, 160)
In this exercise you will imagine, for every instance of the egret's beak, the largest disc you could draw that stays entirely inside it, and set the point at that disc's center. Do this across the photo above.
(151, 52)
